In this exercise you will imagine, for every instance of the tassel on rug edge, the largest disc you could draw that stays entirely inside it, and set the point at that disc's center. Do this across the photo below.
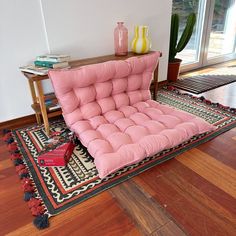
(35, 204)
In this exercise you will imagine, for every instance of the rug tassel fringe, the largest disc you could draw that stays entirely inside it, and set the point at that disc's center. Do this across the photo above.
(10, 140)
(18, 161)
(41, 222)
(15, 156)
(12, 147)
(28, 196)
(7, 137)
(5, 131)
(35, 204)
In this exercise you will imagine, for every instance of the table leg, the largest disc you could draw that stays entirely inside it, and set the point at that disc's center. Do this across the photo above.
(155, 83)
(42, 106)
(38, 118)
(34, 99)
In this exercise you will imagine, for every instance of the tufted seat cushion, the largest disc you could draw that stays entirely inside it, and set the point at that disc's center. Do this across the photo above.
(109, 107)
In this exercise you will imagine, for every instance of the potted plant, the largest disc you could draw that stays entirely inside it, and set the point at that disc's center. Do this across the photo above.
(177, 46)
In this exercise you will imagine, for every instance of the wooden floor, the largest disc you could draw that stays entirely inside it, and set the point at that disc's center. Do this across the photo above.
(194, 194)
(224, 94)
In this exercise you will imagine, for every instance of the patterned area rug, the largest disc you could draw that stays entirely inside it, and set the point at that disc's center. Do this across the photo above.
(50, 191)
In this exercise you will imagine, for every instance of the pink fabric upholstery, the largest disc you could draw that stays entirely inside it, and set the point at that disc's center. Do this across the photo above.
(109, 107)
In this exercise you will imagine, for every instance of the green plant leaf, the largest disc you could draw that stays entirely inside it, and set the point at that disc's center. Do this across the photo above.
(187, 33)
(173, 36)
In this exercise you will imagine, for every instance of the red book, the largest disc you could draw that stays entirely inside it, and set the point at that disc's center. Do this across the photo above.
(57, 154)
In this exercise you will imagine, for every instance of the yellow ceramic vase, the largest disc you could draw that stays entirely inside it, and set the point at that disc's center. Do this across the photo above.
(141, 43)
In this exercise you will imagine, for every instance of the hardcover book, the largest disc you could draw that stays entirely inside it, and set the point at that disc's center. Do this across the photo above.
(53, 58)
(58, 150)
(52, 104)
(59, 156)
(37, 70)
(50, 64)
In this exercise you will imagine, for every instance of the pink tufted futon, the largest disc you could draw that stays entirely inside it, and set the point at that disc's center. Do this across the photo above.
(109, 107)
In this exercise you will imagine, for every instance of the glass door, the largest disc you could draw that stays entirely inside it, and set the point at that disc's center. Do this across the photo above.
(191, 54)
(213, 39)
(222, 31)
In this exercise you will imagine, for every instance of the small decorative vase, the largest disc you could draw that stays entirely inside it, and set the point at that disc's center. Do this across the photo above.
(121, 39)
(141, 43)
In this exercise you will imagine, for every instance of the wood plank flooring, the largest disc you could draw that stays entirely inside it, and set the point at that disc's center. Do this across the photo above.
(193, 194)
(225, 94)
(202, 83)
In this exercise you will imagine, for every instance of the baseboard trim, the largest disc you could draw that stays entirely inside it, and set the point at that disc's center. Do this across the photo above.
(162, 83)
(18, 122)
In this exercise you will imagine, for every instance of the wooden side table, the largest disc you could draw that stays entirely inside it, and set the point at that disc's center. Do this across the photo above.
(37, 93)
(38, 105)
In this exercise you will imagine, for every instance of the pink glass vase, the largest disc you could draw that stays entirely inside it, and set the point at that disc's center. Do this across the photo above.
(121, 39)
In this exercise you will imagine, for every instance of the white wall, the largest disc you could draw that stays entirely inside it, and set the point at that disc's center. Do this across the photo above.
(76, 27)
(21, 38)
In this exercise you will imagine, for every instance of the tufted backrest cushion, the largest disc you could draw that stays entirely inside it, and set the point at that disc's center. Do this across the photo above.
(96, 89)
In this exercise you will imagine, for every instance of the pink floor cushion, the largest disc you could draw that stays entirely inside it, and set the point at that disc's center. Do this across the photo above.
(109, 107)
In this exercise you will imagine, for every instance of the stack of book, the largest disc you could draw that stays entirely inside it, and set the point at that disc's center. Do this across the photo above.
(51, 102)
(52, 61)
(45, 62)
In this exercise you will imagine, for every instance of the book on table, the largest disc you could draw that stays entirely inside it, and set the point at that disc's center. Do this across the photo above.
(53, 58)
(45, 62)
(37, 70)
(50, 64)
